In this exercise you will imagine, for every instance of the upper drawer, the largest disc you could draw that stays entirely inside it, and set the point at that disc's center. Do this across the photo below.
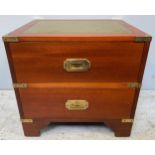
(44, 62)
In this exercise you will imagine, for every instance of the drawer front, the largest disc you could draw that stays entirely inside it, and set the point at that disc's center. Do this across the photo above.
(91, 61)
(77, 104)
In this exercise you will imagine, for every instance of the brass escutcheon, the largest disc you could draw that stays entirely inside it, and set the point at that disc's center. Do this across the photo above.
(76, 104)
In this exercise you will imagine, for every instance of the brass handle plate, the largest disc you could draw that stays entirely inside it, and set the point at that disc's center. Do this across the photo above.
(77, 65)
(76, 104)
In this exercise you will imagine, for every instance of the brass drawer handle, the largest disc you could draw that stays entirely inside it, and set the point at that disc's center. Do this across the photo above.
(77, 65)
(76, 104)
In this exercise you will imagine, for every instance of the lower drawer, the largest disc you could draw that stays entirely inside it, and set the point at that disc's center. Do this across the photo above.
(77, 104)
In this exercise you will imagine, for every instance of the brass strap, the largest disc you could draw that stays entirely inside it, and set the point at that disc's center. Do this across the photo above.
(20, 85)
(26, 120)
(10, 39)
(95, 85)
(143, 39)
(127, 120)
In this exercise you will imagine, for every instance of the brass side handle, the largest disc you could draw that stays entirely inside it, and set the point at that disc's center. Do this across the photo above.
(76, 104)
(77, 65)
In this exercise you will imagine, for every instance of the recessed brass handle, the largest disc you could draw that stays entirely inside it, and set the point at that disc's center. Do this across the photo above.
(76, 104)
(77, 65)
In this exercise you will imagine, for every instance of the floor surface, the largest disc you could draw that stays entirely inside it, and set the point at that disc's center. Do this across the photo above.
(143, 128)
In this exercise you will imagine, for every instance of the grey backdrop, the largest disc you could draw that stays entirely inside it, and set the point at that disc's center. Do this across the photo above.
(145, 23)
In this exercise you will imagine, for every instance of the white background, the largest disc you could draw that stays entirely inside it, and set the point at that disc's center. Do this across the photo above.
(145, 23)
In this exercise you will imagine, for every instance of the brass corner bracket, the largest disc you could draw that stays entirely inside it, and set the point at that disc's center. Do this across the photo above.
(146, 38)
(7, 38)
(27, 120)
(127, 120)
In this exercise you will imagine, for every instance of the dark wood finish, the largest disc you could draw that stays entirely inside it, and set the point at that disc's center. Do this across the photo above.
(117, 59)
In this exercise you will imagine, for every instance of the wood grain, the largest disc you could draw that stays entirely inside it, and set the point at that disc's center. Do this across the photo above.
(13, 75)
(103, 103)
(116, 60)
(83, 85)
(140, 76)
(43, 62)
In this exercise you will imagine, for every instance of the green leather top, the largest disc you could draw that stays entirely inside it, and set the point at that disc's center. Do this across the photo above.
(78, 27)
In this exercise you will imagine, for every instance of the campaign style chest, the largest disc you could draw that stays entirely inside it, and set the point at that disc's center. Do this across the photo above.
(77, 71)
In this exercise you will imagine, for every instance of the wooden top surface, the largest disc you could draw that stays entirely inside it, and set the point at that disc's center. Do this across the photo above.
(48, 30)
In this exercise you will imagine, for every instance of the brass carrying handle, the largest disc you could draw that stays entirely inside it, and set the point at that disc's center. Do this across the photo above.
(77, 65)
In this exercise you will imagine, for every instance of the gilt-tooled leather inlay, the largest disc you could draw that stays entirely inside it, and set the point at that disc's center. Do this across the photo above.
(78, 27)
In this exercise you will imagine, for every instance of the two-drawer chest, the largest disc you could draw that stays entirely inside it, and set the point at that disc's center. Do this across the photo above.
(77, 71)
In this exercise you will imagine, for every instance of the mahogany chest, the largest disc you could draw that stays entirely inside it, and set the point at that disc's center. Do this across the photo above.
(77, 71)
